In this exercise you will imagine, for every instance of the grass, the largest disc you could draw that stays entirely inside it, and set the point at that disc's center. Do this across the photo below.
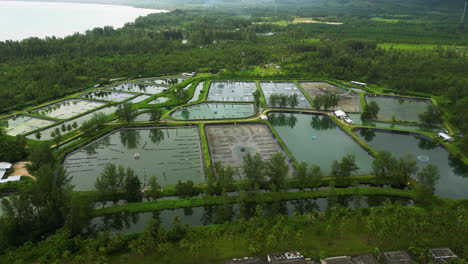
(414, 47)
(263, 197)
(386, 20)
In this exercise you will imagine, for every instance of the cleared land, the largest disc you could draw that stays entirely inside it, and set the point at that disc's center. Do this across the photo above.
(230, 143)
(349, 101)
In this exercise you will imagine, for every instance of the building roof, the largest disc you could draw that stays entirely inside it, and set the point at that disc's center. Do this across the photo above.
(5, 165)
(358, 83)
(340, 113)
(442, 255)
(264, 117)
(246, 260)
(11, 179)
(365, 259)
(397, 257)
(2, 173)
(286, 257)
(337, 260)
(444, 136)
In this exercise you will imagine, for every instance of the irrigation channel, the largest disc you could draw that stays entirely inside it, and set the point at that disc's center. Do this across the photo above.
(217, 214)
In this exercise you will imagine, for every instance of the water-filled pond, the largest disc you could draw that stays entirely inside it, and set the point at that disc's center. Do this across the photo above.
(316, 140)
(215, 111)
(68, 108)
(170, 154)
(139, 88)
(403, 109)
(198, 91)
(349, 100)
(139, 98)
(106, 95)
(217, 214)
(21, 124)
(453, 181)
(165, 80)
(75, 123)
(284, 88)
(232, 91)
(357, 120)
(159, 100)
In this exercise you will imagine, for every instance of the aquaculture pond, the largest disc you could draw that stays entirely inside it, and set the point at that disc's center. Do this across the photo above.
(316, 140)
(139, 88)
(106, 95)
(22, 124)
(400, 108)
(453, 181)
(159, 100)
(215, 111)
(198, 91)
(218, 214)
(349, 100)
(357, 120)
(232, 91)
(71, 124)
(229, 143)
(170, 154)
(284, 88)
(68, 108)
(139, 98)
(165, 80)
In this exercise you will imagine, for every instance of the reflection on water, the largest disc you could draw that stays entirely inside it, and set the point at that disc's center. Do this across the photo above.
(217, 214)
(130, 138)
(453, 181)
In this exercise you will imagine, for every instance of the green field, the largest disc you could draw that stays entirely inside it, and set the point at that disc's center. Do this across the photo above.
(410, 46)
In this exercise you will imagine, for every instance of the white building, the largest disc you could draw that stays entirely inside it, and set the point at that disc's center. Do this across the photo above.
(445, 137)
(343, 116)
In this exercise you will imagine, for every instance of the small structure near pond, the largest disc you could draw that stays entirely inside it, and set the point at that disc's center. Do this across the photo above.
(442, 255)
(445, 137)
(397, 257)
(358, 83)
(343, 116)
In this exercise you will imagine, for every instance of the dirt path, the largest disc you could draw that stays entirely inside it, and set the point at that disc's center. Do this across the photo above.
(19, 168)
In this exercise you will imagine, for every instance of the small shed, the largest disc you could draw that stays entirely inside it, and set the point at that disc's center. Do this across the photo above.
(5, 165)
(14, 178)
(442, 255)
(264, 117)
(445, 137)
(397, 257)
(340, 114)
(337, 260)
(359, 83)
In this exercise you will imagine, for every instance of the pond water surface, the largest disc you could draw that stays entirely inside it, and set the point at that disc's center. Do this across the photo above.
(68, 108)
(453, 181)
(170, 154)
(217, 214)
(403, 109)
(21, 124)
(316, 140)
(215, 111)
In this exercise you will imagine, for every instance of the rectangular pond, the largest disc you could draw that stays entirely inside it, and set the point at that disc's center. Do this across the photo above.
(170, 154)
(284, 88)
(68, 108)
(139, 88)
(164, 80)
(206, 111)
(232, 91)
(316, 140)
(107, 95)
(159, 100)
(453, 181)
(22, 124)
(402, 108)
(349, 101)
(358, 121)
(74, 124)
(140, 98)
(218, 214)
(198, 91)
(230, 143)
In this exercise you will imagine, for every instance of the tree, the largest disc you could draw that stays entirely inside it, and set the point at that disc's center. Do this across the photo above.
(38, 135)
(390, 169)
(257, 97)
(432, 116)
(254, 170)
(153, 190)
(186, 189)
(315, 176)
(274, 100)
(40, 155)
(283, 100)
(155, 114)
(223, 178)
(91, 125)
(125, 112)
(276, 169)
(371, 111)
(301, 174)
(110, 183)
(429, 176)
(343, 169)
(293, 101)
(132, 186)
